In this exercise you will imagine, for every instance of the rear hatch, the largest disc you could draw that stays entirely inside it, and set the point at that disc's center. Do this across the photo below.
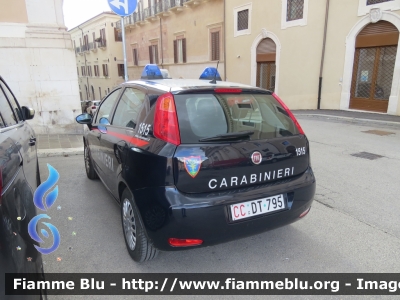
(233, 138)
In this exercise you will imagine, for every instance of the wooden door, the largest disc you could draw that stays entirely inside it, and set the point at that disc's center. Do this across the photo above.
(372, 78)
(266, 74)
(374, 60)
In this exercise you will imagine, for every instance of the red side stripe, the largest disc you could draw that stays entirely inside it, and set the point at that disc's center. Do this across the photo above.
(130, 139)
(134, 141)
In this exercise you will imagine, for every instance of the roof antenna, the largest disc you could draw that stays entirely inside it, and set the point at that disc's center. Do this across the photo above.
(214, 81)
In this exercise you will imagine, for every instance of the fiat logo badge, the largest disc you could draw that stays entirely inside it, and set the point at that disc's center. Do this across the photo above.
(256, 158)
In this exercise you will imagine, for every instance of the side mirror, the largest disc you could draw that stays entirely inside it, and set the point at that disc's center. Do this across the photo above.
(104, 121)
(102, 125)
(84, 119)
(28, 112)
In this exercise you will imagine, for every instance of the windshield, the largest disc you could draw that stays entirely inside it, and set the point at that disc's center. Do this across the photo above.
(207, 115)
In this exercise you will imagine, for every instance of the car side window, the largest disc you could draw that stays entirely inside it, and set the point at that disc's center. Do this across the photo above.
(105, 109)
(128, 108)
(7, 116)
(13, 102)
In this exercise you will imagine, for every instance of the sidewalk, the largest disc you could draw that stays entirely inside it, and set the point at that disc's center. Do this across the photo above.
(59, 144)
(72, 144)
(350, 115)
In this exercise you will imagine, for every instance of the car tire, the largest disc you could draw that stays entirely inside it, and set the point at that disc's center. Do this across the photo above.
(137, 244)
(38, 181)
(90, 172)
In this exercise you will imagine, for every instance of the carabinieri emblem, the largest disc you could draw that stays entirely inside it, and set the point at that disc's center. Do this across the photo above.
(192, 165)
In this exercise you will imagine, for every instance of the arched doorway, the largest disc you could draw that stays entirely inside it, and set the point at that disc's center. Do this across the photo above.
(266, 64)
(374, 61)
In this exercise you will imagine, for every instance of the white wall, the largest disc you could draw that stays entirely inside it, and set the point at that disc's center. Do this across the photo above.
(38, 63)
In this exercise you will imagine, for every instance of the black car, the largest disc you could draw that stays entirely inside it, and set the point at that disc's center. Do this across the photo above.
(19, 177)
(193, 163)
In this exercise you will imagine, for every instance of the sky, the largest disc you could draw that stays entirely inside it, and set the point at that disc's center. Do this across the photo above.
(78, 11)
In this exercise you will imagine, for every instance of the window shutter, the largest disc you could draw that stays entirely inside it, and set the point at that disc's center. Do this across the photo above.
(135, 57)
(156, 54)
(175, 51)
(215, 46)
(150, 55)
(184, 50)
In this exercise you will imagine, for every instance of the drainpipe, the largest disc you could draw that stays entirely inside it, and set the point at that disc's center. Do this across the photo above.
(162, 51)
(224, 40)
(323, 55)
(87, 77)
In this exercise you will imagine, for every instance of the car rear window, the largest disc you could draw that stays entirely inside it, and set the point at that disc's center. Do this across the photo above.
(207, 115)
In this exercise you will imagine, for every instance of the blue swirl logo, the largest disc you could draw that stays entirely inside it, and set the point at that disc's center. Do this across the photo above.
(44, 203)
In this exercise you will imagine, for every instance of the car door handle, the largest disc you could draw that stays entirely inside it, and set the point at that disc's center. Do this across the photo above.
(97, 134)
(32, 141)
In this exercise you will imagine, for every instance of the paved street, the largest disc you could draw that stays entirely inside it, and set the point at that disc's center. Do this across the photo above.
(352, 227)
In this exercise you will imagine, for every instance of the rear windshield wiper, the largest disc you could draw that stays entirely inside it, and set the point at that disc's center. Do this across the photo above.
(228, 136)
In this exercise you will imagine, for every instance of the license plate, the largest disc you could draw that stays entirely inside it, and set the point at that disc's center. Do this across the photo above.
(257, 207)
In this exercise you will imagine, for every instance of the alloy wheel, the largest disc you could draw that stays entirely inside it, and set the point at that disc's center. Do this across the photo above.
(129, 224)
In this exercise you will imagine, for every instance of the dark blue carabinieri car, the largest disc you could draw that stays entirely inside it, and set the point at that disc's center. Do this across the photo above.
(197, 162)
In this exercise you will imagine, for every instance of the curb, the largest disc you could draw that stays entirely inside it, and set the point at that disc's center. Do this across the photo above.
(354, 120)
(59, 152)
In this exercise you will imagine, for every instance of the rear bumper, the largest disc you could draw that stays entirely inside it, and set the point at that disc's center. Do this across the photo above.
(168, 213)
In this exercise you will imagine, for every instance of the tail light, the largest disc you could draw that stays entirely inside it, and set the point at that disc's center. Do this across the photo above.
(184, 242)
(166, 125)
(93, 107)
(289, 113)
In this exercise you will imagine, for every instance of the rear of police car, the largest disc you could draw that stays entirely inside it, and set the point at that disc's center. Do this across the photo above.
(241, 164)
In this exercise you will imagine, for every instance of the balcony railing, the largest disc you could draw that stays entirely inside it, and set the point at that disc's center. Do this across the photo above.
(148, 12)
(92, 46)
(84, 48)
(102, 43)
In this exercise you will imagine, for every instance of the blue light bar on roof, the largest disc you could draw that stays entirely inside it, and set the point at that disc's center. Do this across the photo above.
(209, 74)
(151, 71)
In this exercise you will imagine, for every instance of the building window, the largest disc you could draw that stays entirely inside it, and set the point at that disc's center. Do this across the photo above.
(295, 9)
(242, 19)
(94, 40)
(89, 71)
(77, 70)
(215, 45)
(96, 70)
(135, 57)
(371, 2)
(294, 13)
(365, 6)
(118, 35)
(105, 70)
(83, 70)
(153, 54)
(86, 42)
(180, 50)
(102, 41)
(121, 70)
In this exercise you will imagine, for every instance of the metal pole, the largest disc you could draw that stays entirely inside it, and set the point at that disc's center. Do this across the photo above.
(124, 48)
(323, 55)
(225, 40)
